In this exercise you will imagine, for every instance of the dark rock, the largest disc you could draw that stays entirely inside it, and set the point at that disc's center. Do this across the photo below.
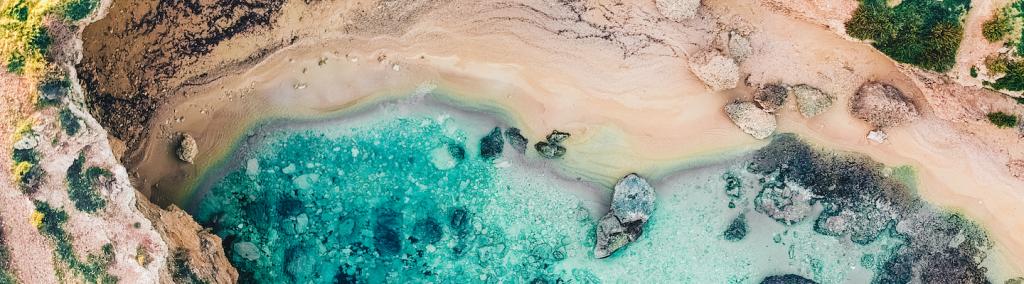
(770, 97)
(516, 139)
(557, 137)
(491, 145)
(787, 279)
(457, 151)
(737, 229)
(632, 205)
(550, 151)
(387, 232)
(427, 231)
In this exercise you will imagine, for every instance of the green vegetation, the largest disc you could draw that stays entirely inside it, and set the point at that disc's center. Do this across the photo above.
(1019, 100)
(80, 185)
(1002, 119)
(24, 40)
(925, 33)
(999, 26)
(26, 170)
(69, 122)
(79, 9)
(974, 72)
(94, 269)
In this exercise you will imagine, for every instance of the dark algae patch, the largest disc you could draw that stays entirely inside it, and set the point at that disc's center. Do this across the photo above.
(737, 229)
(862, 201)
(925, 33)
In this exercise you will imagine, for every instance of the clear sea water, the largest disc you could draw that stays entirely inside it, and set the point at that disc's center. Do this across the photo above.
(404, 196)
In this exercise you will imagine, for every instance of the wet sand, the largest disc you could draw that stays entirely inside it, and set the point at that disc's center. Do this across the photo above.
(642, 112)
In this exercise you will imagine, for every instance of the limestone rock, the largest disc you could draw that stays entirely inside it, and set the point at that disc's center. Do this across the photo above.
(882, 105)
(739, 46)
(810, 100)
(751, 119)
(771, 97)
(246, 250)
(632, 205)
(557, 137)
(677, 10)
(787, 279)
(877, 136)
(785, 204)
(719, 73)
(187, 148)
(516, 139)
(194, 248)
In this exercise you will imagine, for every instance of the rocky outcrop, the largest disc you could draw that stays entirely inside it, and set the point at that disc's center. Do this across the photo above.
(787, 279)
(197, 255)
(491, 145)
(677, 10)
(882, 105)
(771, 97)
(552, 148)
(718, 73)
(516, 139)
(810, 100)
(739, 46)
(187, 148)
(632, 205)
(751, 119)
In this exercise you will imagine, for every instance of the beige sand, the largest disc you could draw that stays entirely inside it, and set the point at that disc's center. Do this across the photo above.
(630, 107)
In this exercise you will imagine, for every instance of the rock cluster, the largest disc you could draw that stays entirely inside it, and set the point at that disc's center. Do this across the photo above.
(751, 119)
(810, 100)
(882, 105)
(719, 73)
(552, 148)
(677, 10)
(187, 148)
(632, 205)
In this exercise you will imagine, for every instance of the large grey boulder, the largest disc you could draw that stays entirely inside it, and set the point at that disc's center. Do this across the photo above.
(632, 205)
(771, 97)
(187, 148)
(677, 10)
(882, 105)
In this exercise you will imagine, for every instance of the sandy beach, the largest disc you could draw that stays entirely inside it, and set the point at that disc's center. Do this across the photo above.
(631, 103)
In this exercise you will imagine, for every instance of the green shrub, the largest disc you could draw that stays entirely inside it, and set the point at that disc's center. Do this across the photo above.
(925, 33)
(81, 183)
(79, 9)
(69, 122)
(1014, 78)
(1019, 100)
(1002, 119)
(6, 276)
(94, 269)
(999, 26)
(17, 10)
(16, 63)
(974, 72)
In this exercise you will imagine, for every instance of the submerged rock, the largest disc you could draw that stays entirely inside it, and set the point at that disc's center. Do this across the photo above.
(882, 105)
(787, 279)
(771, 97)
(719, 73)
(737, 229)
(810, 100)
(632, 205)
(751, 119)
(492, 144)
(785, 204)
(187, 148)
(246, 250)
(677, 10)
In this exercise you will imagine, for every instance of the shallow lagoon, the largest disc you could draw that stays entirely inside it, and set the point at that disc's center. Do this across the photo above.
(401, 193)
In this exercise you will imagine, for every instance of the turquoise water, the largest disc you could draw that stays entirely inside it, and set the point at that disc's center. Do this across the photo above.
(406, 197)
